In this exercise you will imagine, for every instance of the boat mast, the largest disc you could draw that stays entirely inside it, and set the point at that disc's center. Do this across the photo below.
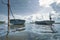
(8, 15)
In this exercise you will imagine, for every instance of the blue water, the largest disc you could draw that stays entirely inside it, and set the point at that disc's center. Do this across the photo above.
(33, 28)
(3, 29)
(39, 28)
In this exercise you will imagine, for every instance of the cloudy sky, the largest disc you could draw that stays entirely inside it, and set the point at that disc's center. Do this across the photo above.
(31, 9)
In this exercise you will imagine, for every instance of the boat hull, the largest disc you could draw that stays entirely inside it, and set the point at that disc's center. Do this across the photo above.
(17, 21)
(44, 22)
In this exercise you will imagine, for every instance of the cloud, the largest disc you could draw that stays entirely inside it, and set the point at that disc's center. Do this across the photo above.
(3, 17)
(21, 7)
(26, 7)
(57, 1)
(56, 7)
(31, 9)
(46, 10)
(45, 3)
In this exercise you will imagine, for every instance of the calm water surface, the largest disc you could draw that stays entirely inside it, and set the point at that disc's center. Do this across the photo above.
(32, 31)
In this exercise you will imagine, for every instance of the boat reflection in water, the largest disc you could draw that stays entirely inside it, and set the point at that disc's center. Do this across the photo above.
(17, 27)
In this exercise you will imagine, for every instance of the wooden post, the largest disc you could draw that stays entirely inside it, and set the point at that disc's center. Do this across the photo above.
(8, 15)
(8, 20)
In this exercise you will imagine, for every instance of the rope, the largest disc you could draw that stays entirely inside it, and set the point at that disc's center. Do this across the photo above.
(10, 8)
(12, 13)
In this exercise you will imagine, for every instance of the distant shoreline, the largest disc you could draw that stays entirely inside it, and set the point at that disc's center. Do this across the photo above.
(1, 22)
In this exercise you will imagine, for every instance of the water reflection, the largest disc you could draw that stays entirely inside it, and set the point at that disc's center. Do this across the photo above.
(17, 27)
(32, 32)
(43, 28)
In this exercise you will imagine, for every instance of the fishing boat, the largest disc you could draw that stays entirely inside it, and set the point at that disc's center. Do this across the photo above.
(17, 21)
(45, 22)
